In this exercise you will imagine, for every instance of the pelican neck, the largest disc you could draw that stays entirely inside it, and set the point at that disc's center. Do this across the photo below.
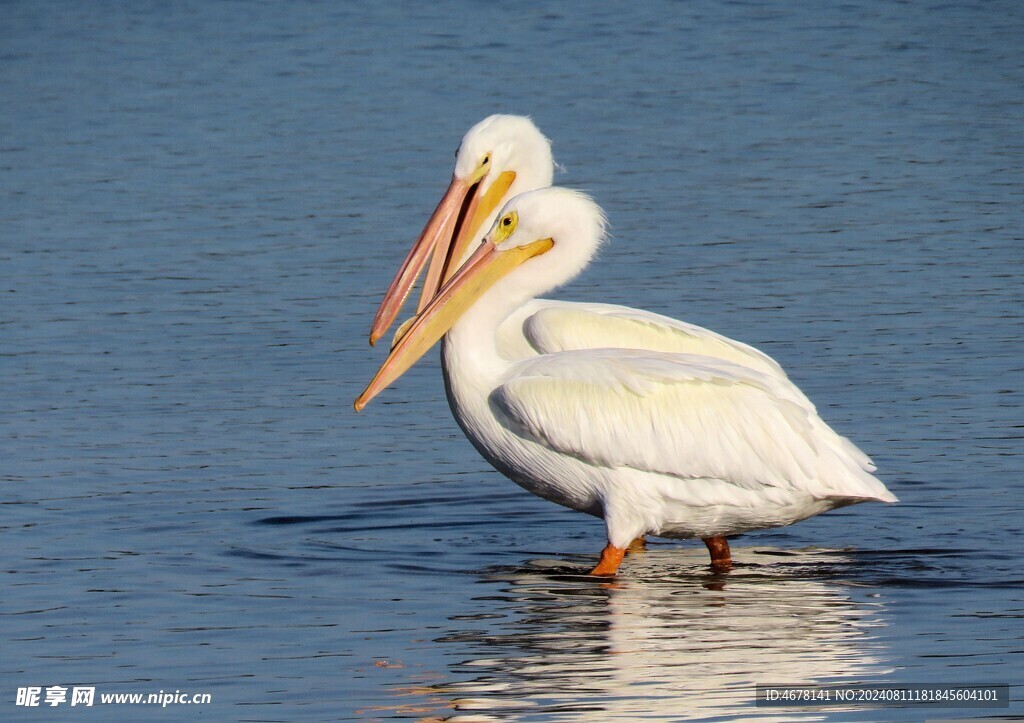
(472, 343)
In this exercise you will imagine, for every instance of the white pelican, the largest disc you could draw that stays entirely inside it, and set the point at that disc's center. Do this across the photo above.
(665, 443)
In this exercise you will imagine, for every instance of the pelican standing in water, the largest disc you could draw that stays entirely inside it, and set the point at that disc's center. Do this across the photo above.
(671, 444)
(499, 157)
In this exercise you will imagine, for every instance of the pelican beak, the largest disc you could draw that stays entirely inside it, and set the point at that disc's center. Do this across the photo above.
(452, 227)
(483, 269)
(481, 206)
(436, 238)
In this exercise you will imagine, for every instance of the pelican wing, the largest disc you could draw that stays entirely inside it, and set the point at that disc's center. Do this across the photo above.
(685, 415)
(554, 326)
(547, 327)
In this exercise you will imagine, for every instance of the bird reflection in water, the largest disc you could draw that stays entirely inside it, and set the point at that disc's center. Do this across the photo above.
(662, 642)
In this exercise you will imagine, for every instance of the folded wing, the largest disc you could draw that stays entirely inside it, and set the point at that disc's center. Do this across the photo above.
(685, 415)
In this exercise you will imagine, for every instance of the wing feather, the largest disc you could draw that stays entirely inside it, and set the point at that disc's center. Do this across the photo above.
(566, 326)
(547, 327)
(684, 415)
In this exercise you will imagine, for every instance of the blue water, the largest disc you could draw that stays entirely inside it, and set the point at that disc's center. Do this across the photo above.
(200, 205)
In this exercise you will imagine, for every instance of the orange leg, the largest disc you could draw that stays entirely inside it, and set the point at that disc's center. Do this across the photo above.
(611, 558)
(721, 559)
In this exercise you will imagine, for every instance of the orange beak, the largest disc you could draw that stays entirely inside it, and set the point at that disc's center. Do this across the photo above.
(436, 234)
(480, 272)
(454, 224)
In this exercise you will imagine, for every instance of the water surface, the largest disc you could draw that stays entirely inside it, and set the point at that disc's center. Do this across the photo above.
(200, 205)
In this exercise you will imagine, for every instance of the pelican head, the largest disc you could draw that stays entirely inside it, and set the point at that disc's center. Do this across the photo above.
(499, 157)
(564, 227)
(504, 144)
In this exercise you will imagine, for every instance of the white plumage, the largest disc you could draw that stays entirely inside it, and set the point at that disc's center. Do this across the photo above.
(694, 436)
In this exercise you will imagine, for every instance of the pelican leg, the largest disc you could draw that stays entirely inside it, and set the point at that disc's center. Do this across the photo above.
(721, 558)
(611, 558)
(637, 545)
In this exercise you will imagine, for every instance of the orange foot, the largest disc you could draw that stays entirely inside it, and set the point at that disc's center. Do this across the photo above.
(611, 558)
(721, 558)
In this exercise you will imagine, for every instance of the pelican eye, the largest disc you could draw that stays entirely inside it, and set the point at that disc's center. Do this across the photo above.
(482, 168)
(506, 226)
